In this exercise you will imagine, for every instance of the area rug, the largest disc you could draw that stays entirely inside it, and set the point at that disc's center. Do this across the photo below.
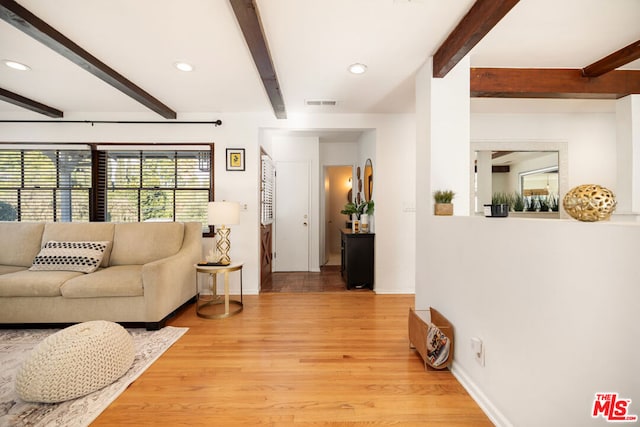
(15, 345)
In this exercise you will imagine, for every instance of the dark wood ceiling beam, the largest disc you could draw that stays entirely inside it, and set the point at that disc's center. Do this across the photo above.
(481, 18)
(613, 61)
(29, 104)
(249, 19)
(27, 22)
(551, 83)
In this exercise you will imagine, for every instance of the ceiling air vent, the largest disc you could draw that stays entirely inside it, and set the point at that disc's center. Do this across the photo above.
(321, 102)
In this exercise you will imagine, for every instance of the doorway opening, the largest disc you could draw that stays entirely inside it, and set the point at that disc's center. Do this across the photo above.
(338, 192)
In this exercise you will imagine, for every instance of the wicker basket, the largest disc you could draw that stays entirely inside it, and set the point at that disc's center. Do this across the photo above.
(443, 209)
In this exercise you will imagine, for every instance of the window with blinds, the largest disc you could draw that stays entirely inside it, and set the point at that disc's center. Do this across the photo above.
(155, 186)
(45, 185)
(96, 183)
(266, 191)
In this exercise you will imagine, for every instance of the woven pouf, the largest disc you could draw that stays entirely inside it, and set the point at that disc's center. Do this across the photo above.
(75, 361)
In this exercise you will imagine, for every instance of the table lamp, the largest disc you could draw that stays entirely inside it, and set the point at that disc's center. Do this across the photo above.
(222, 214)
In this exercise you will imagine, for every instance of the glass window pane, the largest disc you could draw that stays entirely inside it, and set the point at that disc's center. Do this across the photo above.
(8, 205)
(37, 184)
(193, 171)
(160, 176)
(72, 205)
(191, 206)
(156, 205)
(122, 205)
(75, 169)
(124, 169)
(158, 169)
(36, 205)
(40, 169)
(10, 170)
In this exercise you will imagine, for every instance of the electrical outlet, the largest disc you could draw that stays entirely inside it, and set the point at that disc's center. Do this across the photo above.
(477, 347)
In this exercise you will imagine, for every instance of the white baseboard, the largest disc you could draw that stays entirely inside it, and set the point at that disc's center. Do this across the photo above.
(496, 417)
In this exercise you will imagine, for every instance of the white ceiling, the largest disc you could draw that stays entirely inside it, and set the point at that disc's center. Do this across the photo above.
(312, 42)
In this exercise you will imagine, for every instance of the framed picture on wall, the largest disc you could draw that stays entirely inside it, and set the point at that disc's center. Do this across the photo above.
(235, 159)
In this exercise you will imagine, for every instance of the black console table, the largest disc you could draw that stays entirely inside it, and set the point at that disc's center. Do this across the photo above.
(356, 265)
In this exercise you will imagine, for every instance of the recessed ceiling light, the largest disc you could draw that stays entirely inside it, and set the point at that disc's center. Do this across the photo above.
(357, 68)
(183, 66)
(16, 65)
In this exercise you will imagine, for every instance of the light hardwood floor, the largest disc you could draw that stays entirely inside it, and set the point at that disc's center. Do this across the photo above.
(310, 359)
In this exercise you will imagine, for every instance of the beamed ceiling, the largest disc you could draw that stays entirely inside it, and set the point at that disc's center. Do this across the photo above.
(94, 58)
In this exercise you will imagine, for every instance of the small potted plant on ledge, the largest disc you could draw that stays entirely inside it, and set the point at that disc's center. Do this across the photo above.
(443, 205)
(500, 205)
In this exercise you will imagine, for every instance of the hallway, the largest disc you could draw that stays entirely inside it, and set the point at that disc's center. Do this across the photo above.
(328, 280)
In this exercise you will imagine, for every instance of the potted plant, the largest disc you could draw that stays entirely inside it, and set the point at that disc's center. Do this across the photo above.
(499, 207)
(544, 204)
(356, 211)
(443, 205)
(518, 202)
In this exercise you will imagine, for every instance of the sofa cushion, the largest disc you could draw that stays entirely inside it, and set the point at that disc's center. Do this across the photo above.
(80, 231)
(84, 257)
(143, 242)
(115, 281)
(20, 242)
(34, 283)
(5, 269)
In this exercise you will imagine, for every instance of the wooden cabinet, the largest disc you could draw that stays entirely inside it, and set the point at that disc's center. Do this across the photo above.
(357, 253)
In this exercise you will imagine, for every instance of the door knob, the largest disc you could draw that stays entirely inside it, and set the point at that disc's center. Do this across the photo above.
(304, 223)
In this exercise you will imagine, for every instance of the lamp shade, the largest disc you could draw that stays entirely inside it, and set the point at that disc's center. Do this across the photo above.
(223, 213)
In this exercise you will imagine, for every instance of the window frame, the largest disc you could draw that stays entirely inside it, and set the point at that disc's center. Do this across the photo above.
(50, 183)
(98, 188)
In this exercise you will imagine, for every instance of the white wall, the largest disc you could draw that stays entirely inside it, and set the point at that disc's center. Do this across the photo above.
(338, 153)
(555, 303)
(394, 170)
(628, 127)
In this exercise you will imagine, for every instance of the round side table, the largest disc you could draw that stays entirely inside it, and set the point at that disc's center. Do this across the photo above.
(209, 301)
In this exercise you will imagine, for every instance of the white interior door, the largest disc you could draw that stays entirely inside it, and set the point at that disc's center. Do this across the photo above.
(292, 216)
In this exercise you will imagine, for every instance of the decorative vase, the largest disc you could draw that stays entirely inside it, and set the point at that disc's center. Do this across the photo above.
(443, 209)
(589, 202)
(364, 223)
(355, 224)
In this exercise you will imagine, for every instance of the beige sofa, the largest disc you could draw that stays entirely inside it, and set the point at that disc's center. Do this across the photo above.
(147, 272)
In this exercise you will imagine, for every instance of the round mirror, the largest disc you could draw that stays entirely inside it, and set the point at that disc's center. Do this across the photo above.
(368, 180)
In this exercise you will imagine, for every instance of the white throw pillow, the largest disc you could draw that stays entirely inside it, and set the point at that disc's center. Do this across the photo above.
(84, 257)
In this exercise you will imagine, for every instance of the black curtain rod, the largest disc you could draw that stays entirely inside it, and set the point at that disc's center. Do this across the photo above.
(215, 122)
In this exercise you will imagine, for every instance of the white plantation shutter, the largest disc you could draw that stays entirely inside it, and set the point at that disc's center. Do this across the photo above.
(266, 190)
